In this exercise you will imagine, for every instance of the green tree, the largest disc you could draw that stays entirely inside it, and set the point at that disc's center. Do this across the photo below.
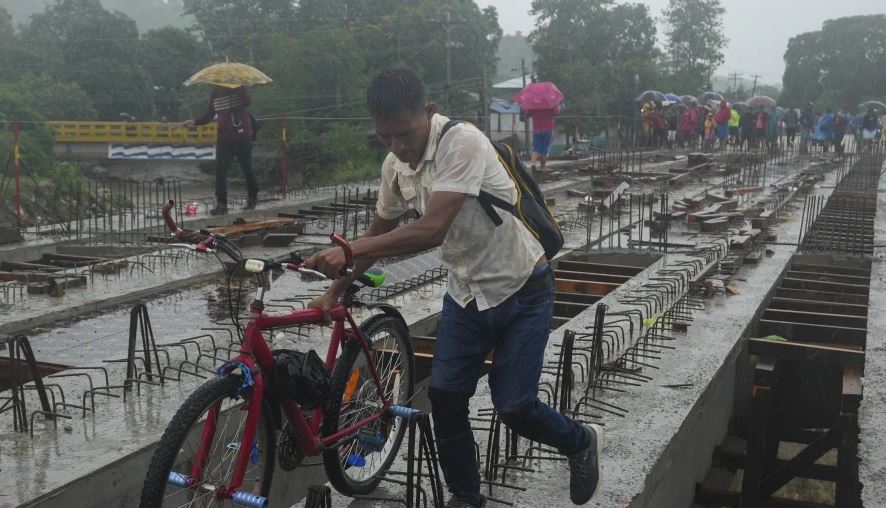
(838, 66)
(239, 29)
(170, 55)
(598, 53)
(695, 41)
(95, 49)
(7, 29)
(54, 100)
(414, 34)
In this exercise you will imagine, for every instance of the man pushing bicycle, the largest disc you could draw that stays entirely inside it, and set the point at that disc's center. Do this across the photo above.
(500, 292)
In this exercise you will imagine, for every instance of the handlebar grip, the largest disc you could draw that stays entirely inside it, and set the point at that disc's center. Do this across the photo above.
(349, 258)
(167, 217)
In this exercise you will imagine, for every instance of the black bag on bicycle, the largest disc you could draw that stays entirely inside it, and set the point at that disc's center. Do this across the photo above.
(301, 377)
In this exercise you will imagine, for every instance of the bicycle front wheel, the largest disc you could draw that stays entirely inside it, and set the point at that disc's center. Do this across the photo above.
(355, 467)
(181, 444)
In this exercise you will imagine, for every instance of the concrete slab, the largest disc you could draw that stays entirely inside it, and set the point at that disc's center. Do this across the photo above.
(872, 412)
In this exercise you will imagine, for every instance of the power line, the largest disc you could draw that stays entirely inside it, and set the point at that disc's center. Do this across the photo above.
(735, 77)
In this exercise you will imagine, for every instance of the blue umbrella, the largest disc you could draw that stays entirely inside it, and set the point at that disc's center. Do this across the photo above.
(857, 121)
(673, 97)
(651, 96)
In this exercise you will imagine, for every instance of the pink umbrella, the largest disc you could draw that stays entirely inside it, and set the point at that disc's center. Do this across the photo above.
(539, 96)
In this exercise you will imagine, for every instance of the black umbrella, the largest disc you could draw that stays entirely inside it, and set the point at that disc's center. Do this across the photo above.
(690, 99)
(711, 96)
(873, 105)
(651, 96)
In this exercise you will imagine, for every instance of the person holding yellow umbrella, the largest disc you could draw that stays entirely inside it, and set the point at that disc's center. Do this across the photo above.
(228, 105)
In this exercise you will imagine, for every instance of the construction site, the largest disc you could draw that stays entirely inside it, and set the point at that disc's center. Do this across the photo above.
(713, 313)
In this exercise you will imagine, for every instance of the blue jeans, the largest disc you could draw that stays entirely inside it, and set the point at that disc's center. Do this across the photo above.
(541, 142)
(517, 330)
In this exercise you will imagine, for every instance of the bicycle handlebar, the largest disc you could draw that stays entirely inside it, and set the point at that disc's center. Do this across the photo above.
(206, 240)
(167, 218)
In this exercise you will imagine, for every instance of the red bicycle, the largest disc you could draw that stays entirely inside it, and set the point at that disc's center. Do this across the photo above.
(221, 446)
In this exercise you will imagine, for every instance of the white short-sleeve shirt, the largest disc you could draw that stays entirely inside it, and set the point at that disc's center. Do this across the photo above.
(486, 263)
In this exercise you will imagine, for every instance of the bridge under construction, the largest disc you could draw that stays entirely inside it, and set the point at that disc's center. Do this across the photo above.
(713, 312)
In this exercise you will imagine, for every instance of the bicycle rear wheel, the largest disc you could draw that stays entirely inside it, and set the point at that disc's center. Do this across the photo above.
(180, 445)
(355, 466)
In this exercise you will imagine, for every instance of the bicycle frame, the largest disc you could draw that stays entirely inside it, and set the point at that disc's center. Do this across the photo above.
(257, 358)
(254, 352)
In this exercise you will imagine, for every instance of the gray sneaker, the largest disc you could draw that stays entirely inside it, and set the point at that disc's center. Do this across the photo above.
(455, 502)
(584, 467)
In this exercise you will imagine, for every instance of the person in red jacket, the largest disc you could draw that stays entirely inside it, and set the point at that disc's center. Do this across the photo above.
(724, 114)
(543, 127)
(229, 107)
(688, 121)
(659, 129)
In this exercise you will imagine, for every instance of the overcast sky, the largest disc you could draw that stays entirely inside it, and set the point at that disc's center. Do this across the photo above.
(758, 30)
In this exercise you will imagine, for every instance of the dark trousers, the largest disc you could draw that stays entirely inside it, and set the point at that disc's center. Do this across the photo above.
(518, 331)
(225, 151)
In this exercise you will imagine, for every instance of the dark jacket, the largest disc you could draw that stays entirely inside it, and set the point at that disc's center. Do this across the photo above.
(230, 108)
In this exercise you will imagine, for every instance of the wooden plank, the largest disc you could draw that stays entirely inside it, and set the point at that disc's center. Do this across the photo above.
(595, 277)
(609, 269)
(249, 227)
(576, 298)
(829, 277)
(822, 307)
(821, 296)
(615, 195)
(734, 461)
(831, 287)
(834, 354)
(805, 332)
(838, 270)
(13, 266)
(798, 316)
(678, 179)
(584, 287)
(80, 260)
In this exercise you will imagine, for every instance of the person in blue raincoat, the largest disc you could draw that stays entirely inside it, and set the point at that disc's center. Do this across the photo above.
(824, 130)
(775, 118)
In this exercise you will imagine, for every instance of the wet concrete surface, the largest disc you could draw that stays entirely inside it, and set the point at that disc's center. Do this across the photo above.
(633, 445)
(115, 443)
(872, 412)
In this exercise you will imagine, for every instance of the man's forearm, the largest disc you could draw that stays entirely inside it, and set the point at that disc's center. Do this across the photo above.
(408, 239)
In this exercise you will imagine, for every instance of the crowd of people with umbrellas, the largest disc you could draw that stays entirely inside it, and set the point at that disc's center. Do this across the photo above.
(710, 122)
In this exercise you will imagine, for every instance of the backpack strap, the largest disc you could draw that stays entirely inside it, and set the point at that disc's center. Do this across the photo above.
(449, 125)
(487, 200)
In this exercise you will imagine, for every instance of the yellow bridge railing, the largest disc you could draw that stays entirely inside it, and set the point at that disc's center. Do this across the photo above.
(132, 132)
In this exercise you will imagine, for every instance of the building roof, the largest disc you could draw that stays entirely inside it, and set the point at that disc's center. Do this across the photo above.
(513, 83)
(504, 107)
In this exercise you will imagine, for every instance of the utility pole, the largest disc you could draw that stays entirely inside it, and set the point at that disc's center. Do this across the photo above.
(17, 160)
(485, 116)
(525, 118)
(448, 27)
(735, 77)
(756, 77)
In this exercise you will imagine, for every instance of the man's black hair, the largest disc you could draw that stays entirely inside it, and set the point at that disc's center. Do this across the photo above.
(393, 91)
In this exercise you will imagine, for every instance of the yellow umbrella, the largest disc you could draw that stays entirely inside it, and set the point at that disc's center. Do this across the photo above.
(229, 75)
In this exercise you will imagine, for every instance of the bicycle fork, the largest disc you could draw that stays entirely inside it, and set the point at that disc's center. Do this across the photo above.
(244, 453)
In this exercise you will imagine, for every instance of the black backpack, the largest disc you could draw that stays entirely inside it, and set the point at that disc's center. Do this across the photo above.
(530, 208)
